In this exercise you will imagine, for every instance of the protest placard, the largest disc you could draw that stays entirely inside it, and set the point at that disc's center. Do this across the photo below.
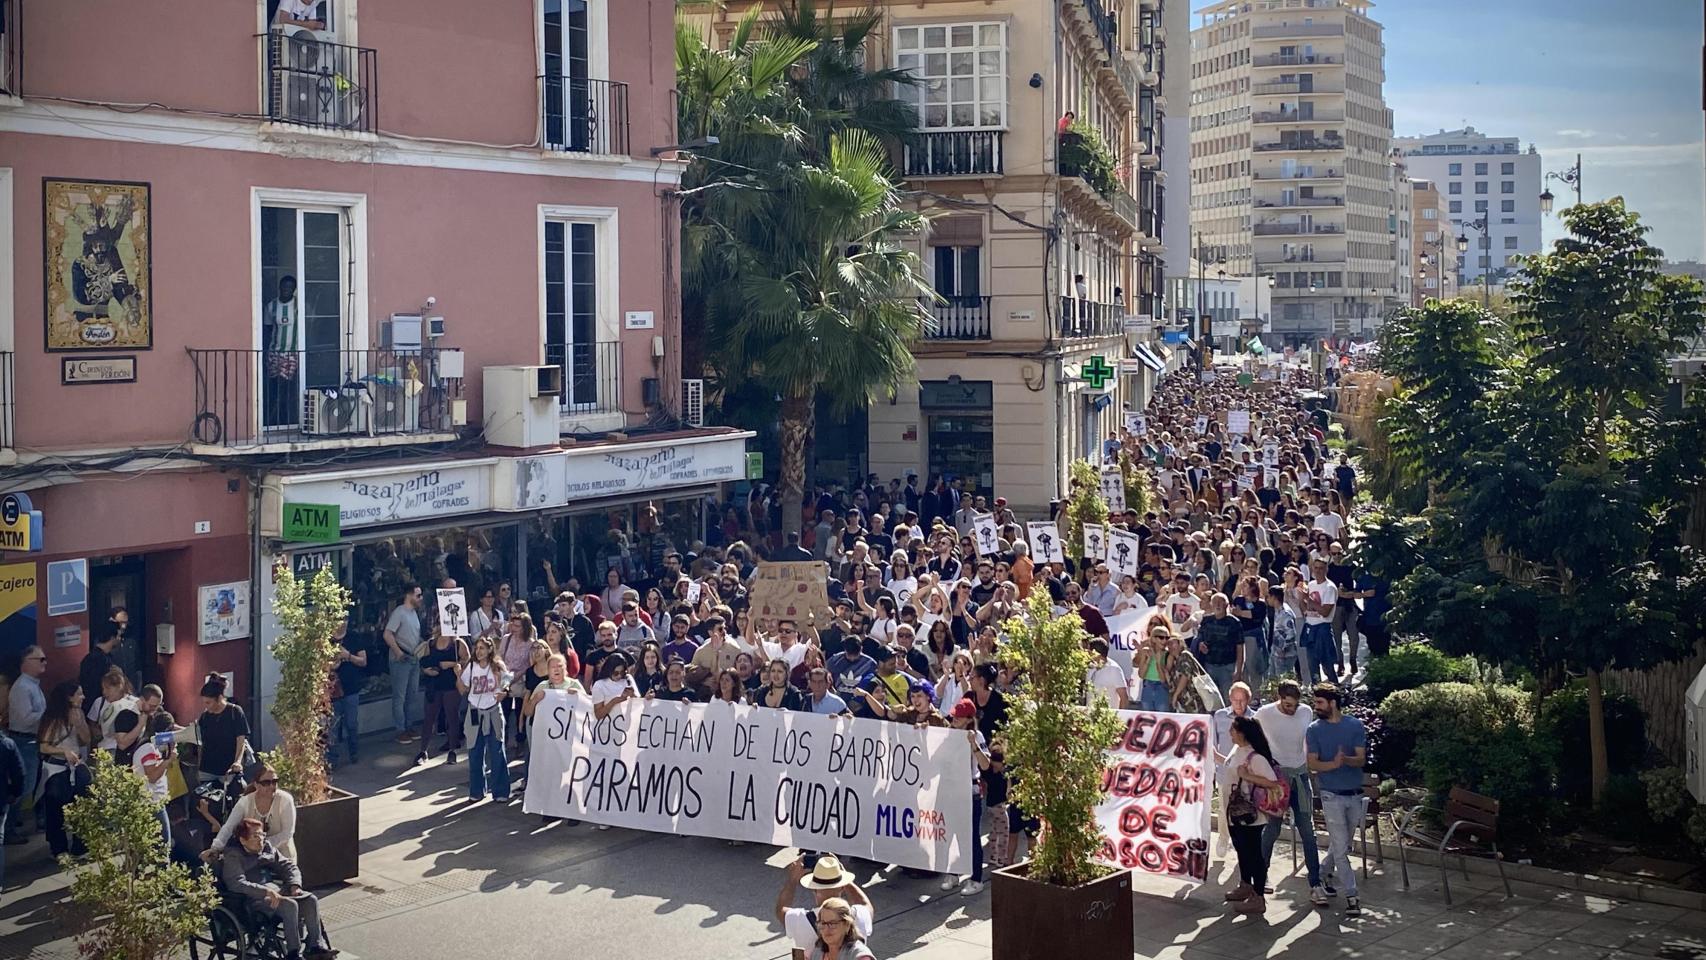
(1156, 789)
(1136, 424)
(790, 590)
(1095, 542)
(1044, 537)
(1124, 553)
(453, 612)
(1125, 635)
(988, 538)
(1270, 455)
(1201, 424)
(1238, 422)
(887, 792)
(1113, 489)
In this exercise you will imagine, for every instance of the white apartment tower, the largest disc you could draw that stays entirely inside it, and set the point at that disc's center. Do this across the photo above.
(1484, 181)
(1290, 166)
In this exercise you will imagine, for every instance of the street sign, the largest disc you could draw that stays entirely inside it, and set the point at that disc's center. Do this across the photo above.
(67, 587)
(1096, 372)
(311, 523)
(20, 524)
(755, 465)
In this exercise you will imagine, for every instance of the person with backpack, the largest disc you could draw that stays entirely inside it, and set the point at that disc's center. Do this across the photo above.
(1257, 795)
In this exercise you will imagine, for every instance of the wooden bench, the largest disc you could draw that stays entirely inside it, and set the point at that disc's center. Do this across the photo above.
(1469, 824)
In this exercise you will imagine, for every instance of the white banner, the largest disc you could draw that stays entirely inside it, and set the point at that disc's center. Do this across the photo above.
(1045, 542)
(1156, 789)
(1125, 634)
(988, 538)
(889, 792)
(1095, 543)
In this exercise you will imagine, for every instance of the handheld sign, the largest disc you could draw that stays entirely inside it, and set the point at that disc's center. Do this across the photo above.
(453, 612)
(1045, 542)
(1238, 421)
(1095, 542)
(1113, 490)
(1124, 553)
(987, 537)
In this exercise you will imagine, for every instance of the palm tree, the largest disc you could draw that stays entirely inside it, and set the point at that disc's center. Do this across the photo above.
(792, 263)
(836, 89)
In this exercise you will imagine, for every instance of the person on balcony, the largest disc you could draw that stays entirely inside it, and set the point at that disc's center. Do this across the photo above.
(296, 13)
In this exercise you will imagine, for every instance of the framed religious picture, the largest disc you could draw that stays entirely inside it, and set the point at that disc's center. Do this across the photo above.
(97, 265)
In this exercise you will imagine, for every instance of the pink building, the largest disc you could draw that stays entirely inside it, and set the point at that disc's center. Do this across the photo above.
(386, 288)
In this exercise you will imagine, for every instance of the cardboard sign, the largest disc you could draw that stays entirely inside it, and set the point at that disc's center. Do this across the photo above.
(453, 612)
(792, 590)
(1045, 542)
(1156, 790)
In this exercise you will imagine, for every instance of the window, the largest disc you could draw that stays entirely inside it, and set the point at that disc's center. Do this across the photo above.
(1480, 169)
(1480, 187)
(1507, 169)
(959, 272)
(1456, 206)
(1483, 241)
(1430, 213)
(579, 321)
(1480, 206)
(1454, 170)
(1486, 262)
(306, 284)
(1507, 206)
(1455, 189)
(962, 72)
(1507, 186)
(1510, 243)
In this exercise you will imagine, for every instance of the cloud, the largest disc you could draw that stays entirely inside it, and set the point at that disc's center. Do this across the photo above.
(1576, 134)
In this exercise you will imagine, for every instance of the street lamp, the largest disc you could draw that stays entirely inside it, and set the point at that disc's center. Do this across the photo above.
(1204, 329)
(1480, 224)
(1571, 177)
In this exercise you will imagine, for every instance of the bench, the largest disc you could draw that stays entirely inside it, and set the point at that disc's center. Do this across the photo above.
(1469, 824)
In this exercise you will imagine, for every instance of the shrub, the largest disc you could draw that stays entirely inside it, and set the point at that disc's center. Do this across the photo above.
(1375, 725)
(1438, 710)
(1624, 811)
(1564, 723)
(1503, 762)
(1411, 665)
(1667, 793)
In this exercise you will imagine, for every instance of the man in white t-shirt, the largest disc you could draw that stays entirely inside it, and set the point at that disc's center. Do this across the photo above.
(1330, 523)
(825, 878)
(1286, 724)
(150, 761)
(1183, 609)
(1106, 675)
(1320, 597)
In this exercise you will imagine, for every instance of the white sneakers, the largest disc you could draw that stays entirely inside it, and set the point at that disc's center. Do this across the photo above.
(971, 888)
(949, 882)
(1318, 895)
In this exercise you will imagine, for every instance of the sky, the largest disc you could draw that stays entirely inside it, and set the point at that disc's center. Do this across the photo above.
(1616, 80)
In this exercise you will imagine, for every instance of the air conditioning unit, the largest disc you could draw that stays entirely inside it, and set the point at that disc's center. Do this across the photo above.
(337, 411)
(517, 413)
(693, 402)
(546, 382)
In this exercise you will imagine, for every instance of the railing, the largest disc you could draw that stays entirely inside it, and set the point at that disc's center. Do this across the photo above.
(1299, 30)
(1295, 59)
(1087, 318)
(1296, 116)
(313, 83)
(246, 398)
(1276, 87)
(8, 400)
(11, 48)
(1303, 202)
(1106, 28)
(1327, 173)
(1303, 258)
(960, 318)
(584, 116)
(1286, 145)
(1126, 206)
(1295, 229)
(954, 153)
(592, 376)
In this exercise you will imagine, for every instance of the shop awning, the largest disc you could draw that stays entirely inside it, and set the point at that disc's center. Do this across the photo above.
(1149, 358)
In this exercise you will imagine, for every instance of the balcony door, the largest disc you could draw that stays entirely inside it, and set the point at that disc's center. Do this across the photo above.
(305, 253)
(566, 92)
(571, 310)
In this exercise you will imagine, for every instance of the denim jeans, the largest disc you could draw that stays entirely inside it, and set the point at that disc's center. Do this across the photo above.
(346, 726)
(165, 829)
(29, 751)
(4, 813)
(488, 751)
(1303, 814)
(977, 836)
(405, 693)
(1223, 674)
(1345, 624)
(1155, 697)
(1344, 815)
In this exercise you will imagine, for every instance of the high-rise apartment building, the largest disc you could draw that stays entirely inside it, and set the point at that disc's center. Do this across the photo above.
(1487, 181)
(1290, 173)
(1434, 243)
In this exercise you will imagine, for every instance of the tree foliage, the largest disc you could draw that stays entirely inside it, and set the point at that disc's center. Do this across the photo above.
(309, 613)
(1084, 505)
(1056, 747)
(1560, 477)
(146, 907)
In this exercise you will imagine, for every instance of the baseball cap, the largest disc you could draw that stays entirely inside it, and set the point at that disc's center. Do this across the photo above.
(964, 710)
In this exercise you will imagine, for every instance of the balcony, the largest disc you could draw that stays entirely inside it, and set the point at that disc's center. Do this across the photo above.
(1288, 30)
(1087, 318)
(1304, 173)
(328, 86)
(1074, 161)
(592, 377)
(8, 400)
(1297, 60)
(959, 318)
(1296, 116)
(11, 50)
(1263, 263)
(1286, 146)
(584, 116)
(1283, 203)
(246, 399)
(1297, 229)
(954, 153)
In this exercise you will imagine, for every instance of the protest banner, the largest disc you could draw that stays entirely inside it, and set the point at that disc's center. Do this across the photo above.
(1125, 635)
(988, 538)
(1238, 422)
(789, 590)
(453, 612)
(1095, 543)
(1124, 553)
(888, 792)
(1045, 543)
(1113, 488)
(1156, 789)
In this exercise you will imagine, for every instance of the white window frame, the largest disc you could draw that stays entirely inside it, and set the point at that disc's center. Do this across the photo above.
(355, 204)
(604, 220)
(597, 39)
(976, 50)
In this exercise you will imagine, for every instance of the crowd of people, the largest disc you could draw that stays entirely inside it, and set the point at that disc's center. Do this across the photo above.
(1245, 586)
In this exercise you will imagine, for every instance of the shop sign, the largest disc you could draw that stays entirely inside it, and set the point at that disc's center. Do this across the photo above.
(755, 465)
(306, 563)
(18, 592)
(20, 524)
(558, 479)
(956, 394)
(311, 523)
(376, 497)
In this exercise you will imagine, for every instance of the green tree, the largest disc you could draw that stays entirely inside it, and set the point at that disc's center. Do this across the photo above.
(1056, 746)
(1561, 479)
(146, 907)
(792, 256)
(309, 613)
(1084, 505)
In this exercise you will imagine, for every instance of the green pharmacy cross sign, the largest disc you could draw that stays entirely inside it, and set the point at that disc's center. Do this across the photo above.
(1096, 372)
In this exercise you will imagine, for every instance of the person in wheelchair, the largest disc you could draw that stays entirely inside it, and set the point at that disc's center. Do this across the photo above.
(270, 884)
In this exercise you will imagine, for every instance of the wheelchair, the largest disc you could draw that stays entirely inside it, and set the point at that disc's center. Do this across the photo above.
(237, 930)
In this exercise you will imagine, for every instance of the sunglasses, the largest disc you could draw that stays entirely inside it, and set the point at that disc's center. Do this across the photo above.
(272, 782)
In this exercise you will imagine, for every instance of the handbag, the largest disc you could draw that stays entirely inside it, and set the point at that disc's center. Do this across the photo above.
(175, 784)
(1240, 809)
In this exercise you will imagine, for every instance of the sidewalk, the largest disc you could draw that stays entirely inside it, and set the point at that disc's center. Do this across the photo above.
(621, 893)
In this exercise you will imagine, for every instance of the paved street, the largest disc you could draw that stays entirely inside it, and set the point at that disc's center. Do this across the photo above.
(619, 893)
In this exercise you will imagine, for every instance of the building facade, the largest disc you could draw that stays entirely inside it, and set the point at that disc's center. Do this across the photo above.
(1403, 229)
(351, 293)
(1487, 182)
(1434, 245)
(1044, 273)
(1289, 158)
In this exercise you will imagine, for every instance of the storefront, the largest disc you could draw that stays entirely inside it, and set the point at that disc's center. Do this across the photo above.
(960, 419)
(537, 523)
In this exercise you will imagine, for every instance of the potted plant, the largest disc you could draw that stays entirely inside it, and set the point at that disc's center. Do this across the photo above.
(1060, 902)
(145, 907)
(309, 613)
